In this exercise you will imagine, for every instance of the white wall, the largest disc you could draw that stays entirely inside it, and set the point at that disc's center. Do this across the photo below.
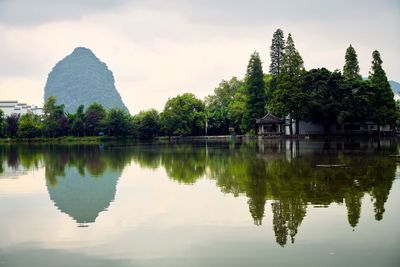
(305, 127)
(13, 107)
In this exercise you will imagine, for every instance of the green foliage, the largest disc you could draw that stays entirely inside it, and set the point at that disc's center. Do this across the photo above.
(324, 93)
(218, 106)
(398, 112)
(237, 110)
(276, 53)
(30, 126)
(118, 123)
(356, 102)
(255, 93)
(54, 120)
(351, 69)
(94, 119)
(2, 123)
(383, 104)
(12, 125)
(183, 115)
(147, 124)
(288, 98)
(77, 122)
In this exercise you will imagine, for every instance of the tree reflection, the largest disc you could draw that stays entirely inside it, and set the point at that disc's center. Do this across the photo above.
(256, 189)
(287, 175)
(352, 199)
(283, 172)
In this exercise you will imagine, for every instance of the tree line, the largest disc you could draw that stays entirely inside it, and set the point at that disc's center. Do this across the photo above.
(93, 121)
(288, 91)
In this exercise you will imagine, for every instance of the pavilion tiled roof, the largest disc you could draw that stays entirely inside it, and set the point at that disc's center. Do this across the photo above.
(270, 119)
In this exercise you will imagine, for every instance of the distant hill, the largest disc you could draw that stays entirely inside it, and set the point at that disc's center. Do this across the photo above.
(81, 78)
(395, 86)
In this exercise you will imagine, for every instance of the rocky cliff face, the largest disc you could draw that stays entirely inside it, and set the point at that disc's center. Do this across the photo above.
(81, 78)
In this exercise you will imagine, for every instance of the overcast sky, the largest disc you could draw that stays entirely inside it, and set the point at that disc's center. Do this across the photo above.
(158, 49)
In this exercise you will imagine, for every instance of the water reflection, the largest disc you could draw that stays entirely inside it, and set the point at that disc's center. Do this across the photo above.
(83, 197)
(81, 180)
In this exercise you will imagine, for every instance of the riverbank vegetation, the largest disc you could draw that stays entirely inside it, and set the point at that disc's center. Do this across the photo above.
(289, 91)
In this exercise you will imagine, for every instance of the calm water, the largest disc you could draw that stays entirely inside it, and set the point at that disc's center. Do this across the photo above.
(251, 204)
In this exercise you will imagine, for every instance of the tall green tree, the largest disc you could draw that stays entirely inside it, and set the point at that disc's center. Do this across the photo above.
(289, 98)
(12, 121)
(355, 102)
(147, 124)
(183, 115)
(95, 116)
(276, 53)
(351, 69)
(383, 104)
(30, 126)
(255, 92)
(324, 94)
(54, 120)
(77, 121)
(237, 110)
(217, 106)
(118, 122)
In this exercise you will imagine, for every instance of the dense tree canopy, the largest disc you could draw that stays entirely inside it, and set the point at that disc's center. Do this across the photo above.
(95, 116)
(55, 122)
(218, 106)
(12, 125)
(118, 123)
(77, 121)
(183, 115)
(147, 124)
(30, 126)
(323, 90)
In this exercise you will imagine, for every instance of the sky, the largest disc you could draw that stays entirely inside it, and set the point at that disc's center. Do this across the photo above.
(158, 49)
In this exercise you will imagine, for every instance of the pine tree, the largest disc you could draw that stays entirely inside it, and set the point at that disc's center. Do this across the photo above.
(383, 104)
(292, 63)
(255, 91)
(351, 69)
(288, 99)
(277, 46)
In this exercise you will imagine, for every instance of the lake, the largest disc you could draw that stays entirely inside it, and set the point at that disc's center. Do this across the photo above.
(269, 203)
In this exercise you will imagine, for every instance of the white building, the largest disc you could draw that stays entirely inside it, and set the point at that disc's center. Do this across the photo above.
(12, 106)
(309, 128)
(271, 125)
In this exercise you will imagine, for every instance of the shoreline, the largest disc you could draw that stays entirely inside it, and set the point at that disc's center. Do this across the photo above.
(211, 138)
(60, 140)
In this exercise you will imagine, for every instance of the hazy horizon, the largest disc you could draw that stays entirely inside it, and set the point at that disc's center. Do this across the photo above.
(157, 50)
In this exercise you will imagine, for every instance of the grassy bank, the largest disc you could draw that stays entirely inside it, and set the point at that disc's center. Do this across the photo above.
(64, 140)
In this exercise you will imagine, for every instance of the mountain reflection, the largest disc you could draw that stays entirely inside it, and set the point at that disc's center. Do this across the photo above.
(81, 180)
(82, 197)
